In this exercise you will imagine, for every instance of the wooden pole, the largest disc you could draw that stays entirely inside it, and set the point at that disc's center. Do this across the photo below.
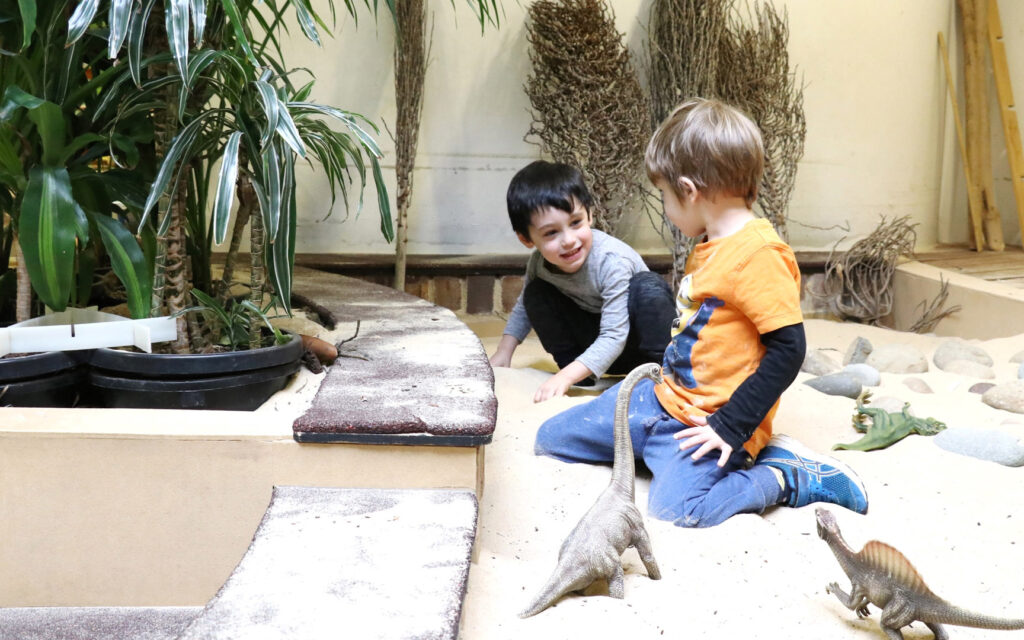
(973, 194)
(974, 14)
(1007, 107)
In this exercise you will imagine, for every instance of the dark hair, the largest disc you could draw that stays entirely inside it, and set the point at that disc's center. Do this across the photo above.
(544, 184)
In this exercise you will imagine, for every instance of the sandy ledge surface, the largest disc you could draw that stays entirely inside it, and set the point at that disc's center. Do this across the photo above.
(959, 520)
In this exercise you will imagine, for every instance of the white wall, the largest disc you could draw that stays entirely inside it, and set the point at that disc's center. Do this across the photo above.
(879, 139)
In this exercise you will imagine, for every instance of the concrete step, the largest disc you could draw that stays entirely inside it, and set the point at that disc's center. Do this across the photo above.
(95, 623)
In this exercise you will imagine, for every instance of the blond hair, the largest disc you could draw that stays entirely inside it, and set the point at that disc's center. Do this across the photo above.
(713, 144)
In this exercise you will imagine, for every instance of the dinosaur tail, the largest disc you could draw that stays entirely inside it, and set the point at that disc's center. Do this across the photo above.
(624, 468)
(951, 614)
(559, 584)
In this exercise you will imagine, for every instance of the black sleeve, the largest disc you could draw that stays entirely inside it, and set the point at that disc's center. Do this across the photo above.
(784, 354)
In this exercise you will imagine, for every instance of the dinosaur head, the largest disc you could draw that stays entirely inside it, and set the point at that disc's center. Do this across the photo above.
(827, 525)
(651, 370)
(930, 426)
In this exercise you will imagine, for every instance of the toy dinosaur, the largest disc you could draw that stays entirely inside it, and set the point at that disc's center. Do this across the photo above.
(882, 576)
(593, 549)
(887, 428)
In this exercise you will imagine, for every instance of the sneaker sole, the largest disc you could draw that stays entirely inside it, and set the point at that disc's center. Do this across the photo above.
(802, 450)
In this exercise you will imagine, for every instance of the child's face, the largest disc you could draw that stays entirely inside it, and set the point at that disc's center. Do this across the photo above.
(563, 239)
(681, 210)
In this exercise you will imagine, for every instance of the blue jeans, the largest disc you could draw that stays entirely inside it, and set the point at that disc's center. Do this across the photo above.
(689, 493)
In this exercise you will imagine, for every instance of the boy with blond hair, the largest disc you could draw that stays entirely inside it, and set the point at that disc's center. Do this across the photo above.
(737, 344)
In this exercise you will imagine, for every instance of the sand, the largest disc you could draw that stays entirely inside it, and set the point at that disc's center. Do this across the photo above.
(958, 519)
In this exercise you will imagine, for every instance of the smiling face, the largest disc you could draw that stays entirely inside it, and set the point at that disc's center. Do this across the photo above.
(563, 239)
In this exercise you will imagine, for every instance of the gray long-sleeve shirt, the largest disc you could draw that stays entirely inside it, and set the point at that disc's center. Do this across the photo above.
(600, 286)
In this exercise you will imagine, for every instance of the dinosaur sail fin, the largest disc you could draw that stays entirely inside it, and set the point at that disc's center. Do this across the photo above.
(885, 558)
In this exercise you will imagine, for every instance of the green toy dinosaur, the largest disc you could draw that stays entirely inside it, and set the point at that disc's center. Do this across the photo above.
(886, 428)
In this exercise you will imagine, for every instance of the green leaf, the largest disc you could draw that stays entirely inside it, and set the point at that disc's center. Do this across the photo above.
(81, 19)
(47, 229)
(136, 37)
(271, 180)
(44, 114)
(302, 12)
(118, 17)
(225, 197)
(209, 304)
(271, 109)
(286, 129)
(199, 20)
(77, 145)
(129, 263)
(28, 21)
(238, 24)
(176, 19)
(383, 203)
(281, 262)
(180, 149)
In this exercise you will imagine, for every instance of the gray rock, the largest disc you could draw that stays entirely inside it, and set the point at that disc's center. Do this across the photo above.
(955, 349)
(986, 444)
(819, 363)
(836, 384)
(970, 369)
(981, 387)
(864, 373)
(918, 385)
(891, 404)
(1020, 370)
(858, 351)
(1008, 396)
(1017, 357)
(898, 358)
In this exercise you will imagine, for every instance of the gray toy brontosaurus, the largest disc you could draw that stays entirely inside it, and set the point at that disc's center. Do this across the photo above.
(593, 549)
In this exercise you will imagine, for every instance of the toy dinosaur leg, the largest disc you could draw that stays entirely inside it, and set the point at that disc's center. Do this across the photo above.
(642, 542)
(896, 614)
(616, 587)
(857, 600)
(938, 630)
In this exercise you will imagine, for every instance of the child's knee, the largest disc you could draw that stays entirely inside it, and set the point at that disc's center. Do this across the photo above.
(688, 514)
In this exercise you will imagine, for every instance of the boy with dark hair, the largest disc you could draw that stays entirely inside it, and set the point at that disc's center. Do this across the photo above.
(737, 345)
(595, 306)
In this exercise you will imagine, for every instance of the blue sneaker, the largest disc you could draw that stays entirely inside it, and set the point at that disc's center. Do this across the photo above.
(813, 477)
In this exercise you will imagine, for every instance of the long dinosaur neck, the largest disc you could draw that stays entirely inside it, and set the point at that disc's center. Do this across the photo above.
(624, 468)
(847, 558)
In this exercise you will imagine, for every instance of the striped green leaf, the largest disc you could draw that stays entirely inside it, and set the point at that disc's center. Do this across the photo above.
(303, 13)
(225, 198)
(180, 149)
(118, 17)
(287, 130)
(47, 229)
(136, 37)
(129, 263)
(176, 19)
(383, 203)
(281, 262)
(271, 180)
(271, 109)
(28, 21)
(238, 24)
(199, 20)
(81, 19)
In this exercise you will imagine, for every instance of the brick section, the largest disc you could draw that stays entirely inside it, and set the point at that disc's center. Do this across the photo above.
(418, 286)
(448, 292)
(479, 294)
(511, 287)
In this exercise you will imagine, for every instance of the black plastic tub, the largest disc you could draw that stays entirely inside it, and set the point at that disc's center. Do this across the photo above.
(52, 379)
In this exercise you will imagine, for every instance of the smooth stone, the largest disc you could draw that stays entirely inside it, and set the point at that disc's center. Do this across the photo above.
(836, 384)
(891, 404)
(898, 358)
(1020, 370)
(858, 351)
(986, 444)
(864, 373)
(981, 387)
(819, 363)
(918, 385)
(970, 369)
(1008, 396)
(1017, 357)
(955, 349)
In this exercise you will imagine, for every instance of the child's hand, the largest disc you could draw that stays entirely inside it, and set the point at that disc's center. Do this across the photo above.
(706, 437)
(555, 386)
(503, 354)
(501, 360)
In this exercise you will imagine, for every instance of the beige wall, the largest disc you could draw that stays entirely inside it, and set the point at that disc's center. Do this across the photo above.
(879, 139)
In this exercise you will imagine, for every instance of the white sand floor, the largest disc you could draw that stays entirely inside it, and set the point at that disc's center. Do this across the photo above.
(960, 520)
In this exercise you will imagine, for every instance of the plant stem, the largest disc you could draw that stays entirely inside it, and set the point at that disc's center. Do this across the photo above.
(257, 276)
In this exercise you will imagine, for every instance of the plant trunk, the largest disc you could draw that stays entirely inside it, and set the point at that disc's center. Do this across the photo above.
(23, 297)
(176, 285)
(257, 275)
(410, 70)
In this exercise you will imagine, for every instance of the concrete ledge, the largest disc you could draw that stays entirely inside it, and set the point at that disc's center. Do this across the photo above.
(982, 302)
(349, 563)
(95, 623)
(418, 370)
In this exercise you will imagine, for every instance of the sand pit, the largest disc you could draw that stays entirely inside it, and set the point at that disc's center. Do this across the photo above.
(959, 519)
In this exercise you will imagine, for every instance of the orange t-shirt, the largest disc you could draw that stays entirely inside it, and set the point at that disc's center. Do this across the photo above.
(735, 289)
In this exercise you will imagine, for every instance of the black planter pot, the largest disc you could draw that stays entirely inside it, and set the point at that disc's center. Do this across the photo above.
(52, 379)
(234, 380)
